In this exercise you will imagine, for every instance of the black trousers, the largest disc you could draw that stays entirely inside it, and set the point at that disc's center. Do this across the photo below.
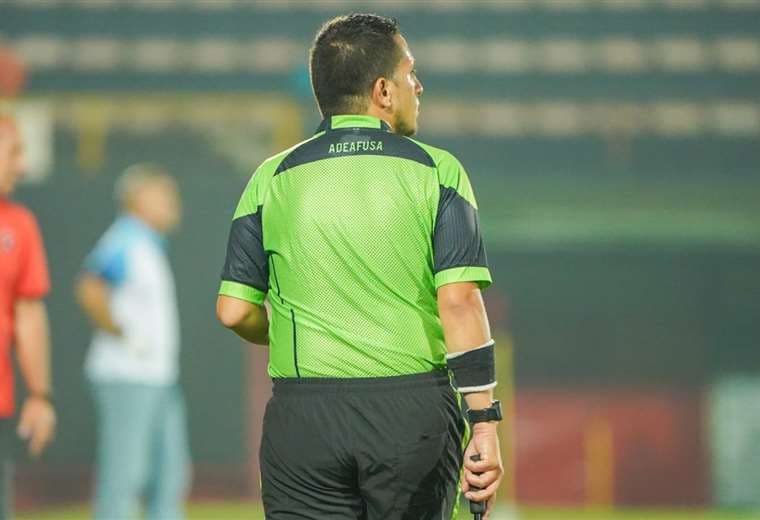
(370, 449)
(6, 468)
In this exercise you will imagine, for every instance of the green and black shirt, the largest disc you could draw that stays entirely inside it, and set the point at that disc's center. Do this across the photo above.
(349, 234)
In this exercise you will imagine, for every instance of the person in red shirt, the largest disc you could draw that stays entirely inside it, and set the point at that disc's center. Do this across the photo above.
(24, 282)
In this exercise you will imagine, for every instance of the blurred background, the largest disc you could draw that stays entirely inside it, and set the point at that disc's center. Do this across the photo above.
(614, 147)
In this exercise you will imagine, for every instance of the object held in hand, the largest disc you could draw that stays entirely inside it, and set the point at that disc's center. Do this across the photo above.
(476, 508)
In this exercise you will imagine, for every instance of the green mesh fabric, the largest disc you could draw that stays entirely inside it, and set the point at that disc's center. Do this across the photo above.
(348, 241)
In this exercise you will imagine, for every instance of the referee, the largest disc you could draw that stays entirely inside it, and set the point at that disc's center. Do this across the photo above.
(367, 245)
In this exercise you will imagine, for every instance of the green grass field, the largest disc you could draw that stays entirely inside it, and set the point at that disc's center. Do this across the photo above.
(248, 511)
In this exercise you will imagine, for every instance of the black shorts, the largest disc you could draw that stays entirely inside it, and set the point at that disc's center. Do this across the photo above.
(380, 448)
(6, 468)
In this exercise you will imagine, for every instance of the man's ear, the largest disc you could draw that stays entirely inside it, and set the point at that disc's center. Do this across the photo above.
(381, 94)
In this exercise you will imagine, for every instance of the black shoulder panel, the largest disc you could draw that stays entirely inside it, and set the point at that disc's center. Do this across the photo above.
(246, 260)
(355, 141)
(457, 241)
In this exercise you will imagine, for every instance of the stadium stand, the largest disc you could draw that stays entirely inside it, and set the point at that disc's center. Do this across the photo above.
(542, 75)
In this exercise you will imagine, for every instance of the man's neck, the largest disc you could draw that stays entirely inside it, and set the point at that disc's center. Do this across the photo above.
(379, 113)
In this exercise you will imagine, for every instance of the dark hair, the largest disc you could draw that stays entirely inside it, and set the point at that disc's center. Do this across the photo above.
(349, 53)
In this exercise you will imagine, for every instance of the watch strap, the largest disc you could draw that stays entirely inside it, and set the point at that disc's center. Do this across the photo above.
(492, 413)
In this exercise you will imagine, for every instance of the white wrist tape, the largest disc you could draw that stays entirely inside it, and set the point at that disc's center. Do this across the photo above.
(474, 370)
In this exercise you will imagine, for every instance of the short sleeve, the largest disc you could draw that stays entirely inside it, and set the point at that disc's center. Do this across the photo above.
(108, 260)
(459, 252)
(245, 274)
(34, 279)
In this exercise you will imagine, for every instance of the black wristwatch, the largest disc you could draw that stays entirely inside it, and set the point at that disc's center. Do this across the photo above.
(492, 413)
(45, 396)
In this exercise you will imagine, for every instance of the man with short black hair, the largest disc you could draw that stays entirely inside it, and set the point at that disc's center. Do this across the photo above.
(367, 245)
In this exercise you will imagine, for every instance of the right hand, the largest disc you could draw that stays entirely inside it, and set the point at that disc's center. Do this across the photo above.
(486, 473)
(37, 424)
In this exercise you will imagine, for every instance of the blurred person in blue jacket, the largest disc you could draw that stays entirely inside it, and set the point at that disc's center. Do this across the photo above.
(127, 290)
